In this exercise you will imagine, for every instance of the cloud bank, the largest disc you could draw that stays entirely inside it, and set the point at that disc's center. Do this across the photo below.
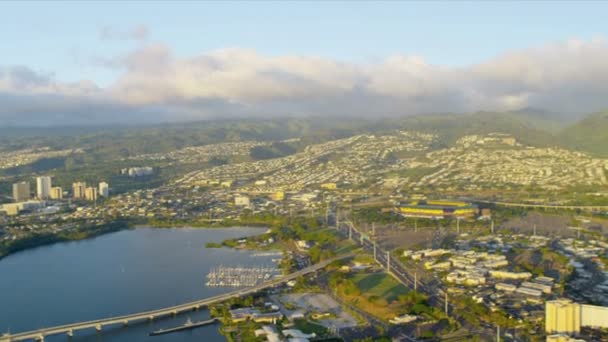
(155, 85)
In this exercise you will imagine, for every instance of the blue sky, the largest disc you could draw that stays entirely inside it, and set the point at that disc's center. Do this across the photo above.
(192, 60)
(62, 37)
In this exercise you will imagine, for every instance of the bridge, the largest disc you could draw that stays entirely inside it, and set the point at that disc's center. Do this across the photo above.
(545, 206)
(69, 329)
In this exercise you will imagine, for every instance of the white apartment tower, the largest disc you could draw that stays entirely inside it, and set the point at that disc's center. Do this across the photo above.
(43, 187)
(104, 189)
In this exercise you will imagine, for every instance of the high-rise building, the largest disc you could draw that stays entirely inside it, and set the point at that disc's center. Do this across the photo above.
(43, 187)
(104, 189)
(56, 193)
(78, 189)
(21, 191)
(91, 194)
(562, 316)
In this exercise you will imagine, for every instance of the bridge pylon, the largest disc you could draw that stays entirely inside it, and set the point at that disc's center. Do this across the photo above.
(39, 338)
(70, 333)
(125, 323)
(5, 338)
(98, 327)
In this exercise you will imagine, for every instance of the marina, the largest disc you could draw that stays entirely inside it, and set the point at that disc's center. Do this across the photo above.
(223, 276)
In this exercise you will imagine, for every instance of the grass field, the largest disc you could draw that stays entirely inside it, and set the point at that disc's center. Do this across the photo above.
(379, 292)
(379, 284)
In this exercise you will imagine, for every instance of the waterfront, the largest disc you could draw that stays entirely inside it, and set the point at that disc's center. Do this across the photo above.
(119, 273)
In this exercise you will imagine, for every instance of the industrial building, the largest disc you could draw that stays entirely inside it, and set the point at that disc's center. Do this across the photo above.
(12, 209)
(438, 209)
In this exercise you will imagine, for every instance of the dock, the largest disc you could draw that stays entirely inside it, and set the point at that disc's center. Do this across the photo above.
(187, 326)
(240, 276)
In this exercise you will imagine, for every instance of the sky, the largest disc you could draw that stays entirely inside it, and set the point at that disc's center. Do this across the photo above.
(110, 61)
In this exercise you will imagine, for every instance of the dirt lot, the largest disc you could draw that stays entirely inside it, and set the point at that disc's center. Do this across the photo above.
(320, 303)
(551, 224)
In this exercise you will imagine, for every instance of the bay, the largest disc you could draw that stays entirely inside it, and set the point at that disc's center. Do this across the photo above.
(115, 274)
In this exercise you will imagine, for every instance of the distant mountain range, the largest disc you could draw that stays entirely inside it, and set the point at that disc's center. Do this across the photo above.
(530, 126)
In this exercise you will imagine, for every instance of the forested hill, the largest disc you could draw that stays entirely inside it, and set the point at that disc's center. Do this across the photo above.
(530, 127)
(589, 134)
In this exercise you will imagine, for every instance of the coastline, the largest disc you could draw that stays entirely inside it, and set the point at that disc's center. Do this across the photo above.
(39, 240)
(45, 239)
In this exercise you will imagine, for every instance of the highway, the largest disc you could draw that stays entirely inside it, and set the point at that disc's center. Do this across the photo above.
(395, 267)
(39, 335)
(542, 206)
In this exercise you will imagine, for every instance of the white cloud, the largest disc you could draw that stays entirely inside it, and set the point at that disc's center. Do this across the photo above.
(568, 76)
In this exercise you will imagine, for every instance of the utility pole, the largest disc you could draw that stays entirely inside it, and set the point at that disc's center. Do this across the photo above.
(388, 261)
(375, 257)
(415, 226)
(415, 281)
(446, 303)
(350, 232)
(458, 225)
(492, 227)
(374, 228)
(497, 333)
(534, 231)
(337, 218)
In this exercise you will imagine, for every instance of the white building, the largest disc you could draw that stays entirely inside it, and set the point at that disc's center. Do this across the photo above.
(104, 189)
(505, 287)
(43, 187)
(241, 201)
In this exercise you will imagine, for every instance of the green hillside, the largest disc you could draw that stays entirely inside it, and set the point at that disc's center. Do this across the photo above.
(589, 134)
(450, 127)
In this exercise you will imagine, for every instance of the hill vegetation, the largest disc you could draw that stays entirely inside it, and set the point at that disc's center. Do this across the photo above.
(589, 134)
(105, 143)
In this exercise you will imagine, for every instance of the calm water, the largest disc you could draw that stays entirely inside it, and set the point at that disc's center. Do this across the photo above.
(117, 274)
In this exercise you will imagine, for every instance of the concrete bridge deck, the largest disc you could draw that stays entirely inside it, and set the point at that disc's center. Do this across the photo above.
(544, 206)
(69, 329)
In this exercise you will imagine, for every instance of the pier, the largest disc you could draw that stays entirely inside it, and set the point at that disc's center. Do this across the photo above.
(187, 326)
(240, 276)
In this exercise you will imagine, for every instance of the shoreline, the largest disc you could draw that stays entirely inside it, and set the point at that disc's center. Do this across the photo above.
(46, 239)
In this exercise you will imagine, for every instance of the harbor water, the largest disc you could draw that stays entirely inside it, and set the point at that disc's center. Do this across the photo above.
(117, 274)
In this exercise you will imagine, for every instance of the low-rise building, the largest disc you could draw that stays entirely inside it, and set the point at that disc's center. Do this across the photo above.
(510, 275)
(505, 287)
(242, 201)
